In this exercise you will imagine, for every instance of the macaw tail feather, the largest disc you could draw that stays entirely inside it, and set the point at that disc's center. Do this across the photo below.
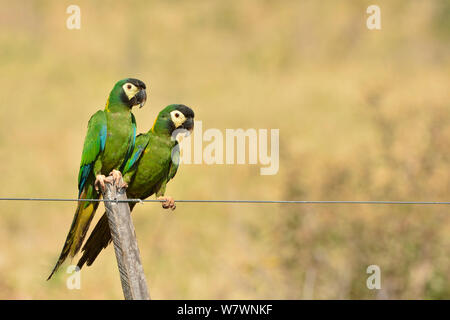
(99, 239)
(80, 224)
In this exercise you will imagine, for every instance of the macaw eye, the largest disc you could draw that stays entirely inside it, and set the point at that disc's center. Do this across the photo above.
(177, 118)
(129, 86)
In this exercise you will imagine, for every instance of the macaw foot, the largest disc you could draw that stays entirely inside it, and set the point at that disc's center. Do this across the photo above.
(117, 177)
(169, 202)
(100, 182)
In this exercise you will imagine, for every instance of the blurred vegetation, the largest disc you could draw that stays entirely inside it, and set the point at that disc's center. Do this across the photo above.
(363, 115)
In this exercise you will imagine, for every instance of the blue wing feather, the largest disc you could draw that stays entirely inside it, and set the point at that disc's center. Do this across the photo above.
(94, 144)
(132, 141)
(103, 135)
(85, 170)
(141, 143)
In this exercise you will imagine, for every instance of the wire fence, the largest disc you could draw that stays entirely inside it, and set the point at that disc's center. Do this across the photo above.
(239, 201)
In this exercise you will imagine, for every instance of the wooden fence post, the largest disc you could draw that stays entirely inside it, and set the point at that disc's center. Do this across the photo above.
(123, 235)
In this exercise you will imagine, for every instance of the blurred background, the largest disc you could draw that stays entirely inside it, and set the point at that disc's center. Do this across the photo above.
(363, 115)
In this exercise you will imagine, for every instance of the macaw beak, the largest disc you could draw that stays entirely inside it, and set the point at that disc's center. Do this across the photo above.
(188, 124)
(141, 98)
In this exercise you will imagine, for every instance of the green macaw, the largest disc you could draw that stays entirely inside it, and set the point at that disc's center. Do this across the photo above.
(154, 162)
(108, 144)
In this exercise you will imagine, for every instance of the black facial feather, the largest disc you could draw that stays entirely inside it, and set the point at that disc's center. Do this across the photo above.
(124, 98)
(138, 83)
(188, 112)
(170, 126)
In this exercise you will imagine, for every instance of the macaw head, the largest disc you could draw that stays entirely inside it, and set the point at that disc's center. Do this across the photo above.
(173, 117)
(129, 92)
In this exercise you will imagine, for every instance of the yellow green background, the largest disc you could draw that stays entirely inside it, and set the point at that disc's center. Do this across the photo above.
(363, 115)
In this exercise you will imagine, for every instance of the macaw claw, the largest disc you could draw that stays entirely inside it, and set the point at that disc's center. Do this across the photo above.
(100, 182)
(116, 175)
(169, 202)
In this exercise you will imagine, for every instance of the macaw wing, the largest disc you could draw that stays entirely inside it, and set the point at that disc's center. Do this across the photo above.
(94, 144)
(175, 162)
(141, 143)
(131, 144)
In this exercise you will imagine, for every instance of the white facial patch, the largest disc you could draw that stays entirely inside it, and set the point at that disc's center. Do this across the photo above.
(178, 118)
(130, 90)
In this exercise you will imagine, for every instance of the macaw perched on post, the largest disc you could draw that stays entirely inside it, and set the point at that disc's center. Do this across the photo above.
(108, 144)
(153, 163)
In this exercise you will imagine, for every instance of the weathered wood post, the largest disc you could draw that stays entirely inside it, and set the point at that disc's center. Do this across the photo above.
(123, 235)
